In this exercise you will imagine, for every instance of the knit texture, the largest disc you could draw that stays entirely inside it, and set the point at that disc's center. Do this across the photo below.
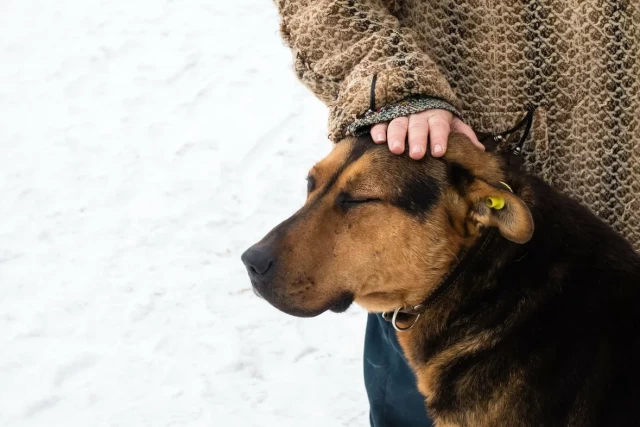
(576, 59)
(412, 105)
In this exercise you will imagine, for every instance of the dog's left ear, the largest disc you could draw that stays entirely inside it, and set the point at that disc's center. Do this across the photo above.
(497, 207)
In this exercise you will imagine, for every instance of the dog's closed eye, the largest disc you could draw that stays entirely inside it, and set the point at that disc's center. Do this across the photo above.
(347, 201)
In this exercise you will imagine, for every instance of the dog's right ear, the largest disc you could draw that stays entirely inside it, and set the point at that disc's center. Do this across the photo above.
(495, 207)
(483, 205)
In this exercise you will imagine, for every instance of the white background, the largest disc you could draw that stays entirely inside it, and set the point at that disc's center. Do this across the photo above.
(143, 146)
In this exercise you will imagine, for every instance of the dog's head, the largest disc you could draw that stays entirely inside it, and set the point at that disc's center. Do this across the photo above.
(381, 229)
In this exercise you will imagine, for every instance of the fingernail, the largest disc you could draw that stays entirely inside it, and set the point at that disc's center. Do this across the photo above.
(437, 149)
(416, 149)
(395, 145)
(380, 137)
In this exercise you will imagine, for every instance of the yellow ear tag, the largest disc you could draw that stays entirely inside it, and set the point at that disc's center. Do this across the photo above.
(495, 202)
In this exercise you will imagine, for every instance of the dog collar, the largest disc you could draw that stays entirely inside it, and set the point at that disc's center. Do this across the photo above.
(468, 258)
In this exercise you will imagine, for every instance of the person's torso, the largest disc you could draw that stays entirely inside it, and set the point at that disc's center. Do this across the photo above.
(576, 60)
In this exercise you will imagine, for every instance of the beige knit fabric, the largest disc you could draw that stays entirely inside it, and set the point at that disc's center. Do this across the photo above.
(578, 59)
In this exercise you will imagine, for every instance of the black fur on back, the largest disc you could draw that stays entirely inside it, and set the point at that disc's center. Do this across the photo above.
(564, 310)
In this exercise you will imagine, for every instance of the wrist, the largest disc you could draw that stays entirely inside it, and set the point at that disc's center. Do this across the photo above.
(406, 107)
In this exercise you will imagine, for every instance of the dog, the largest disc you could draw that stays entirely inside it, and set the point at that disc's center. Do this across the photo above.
(514, 304)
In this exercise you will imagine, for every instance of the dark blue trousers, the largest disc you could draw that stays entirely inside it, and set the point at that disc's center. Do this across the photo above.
(394, 398)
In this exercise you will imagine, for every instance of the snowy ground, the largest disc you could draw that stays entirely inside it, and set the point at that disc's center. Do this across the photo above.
(143, 146)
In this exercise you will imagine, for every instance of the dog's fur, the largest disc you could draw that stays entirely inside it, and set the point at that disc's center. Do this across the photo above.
(542, 330)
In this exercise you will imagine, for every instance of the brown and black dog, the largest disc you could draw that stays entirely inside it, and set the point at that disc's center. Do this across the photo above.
(521, 308)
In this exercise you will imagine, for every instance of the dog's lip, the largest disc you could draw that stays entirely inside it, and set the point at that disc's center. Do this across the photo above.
(256, 292)
(339, 306)
(343, 303)
(292, 311)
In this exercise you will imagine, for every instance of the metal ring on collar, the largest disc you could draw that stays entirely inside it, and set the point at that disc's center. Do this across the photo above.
(398, 328)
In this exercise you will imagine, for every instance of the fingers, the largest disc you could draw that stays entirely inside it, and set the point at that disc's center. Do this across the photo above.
(397, 134)
(439, 128)
(418, 133)
(433, 126)
(460, 127)
(379, 133)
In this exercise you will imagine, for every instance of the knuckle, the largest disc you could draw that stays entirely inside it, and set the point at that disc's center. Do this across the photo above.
(418, 134)
(397, 133)
(399, 121)
(418, 126)
(439, 125)
(418, 137)
(393, 128)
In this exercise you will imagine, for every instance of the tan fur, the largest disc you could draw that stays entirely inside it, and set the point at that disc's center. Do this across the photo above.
(397, 259)
(480, 164)
(428, 374)
(386, 258)
(323, 169)
(393, 254)
(495, 413)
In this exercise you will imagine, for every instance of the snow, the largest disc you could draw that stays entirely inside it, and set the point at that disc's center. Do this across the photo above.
(143, 146)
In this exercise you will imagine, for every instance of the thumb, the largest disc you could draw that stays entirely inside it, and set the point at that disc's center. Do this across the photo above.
(459, 126)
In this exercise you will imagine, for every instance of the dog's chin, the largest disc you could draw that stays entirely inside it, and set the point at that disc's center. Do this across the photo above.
(339, 305)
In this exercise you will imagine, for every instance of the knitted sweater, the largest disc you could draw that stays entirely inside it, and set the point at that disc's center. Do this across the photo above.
(577, 60)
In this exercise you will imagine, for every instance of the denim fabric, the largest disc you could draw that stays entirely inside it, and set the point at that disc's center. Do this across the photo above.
(394, 398)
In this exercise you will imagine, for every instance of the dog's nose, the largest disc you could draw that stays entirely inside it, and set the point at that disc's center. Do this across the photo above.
(258, 260)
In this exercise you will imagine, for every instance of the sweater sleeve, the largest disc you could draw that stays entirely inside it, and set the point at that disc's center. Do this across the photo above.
(339, 45)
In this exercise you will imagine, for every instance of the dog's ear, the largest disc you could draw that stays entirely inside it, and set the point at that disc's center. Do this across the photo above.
(496, 207)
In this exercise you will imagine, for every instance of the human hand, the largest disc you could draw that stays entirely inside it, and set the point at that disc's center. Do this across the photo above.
(432, 125)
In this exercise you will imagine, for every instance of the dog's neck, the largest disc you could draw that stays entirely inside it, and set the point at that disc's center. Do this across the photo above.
(457, 322)
(406, 318)
(452, 316)
(507, 287)
(472, 250)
